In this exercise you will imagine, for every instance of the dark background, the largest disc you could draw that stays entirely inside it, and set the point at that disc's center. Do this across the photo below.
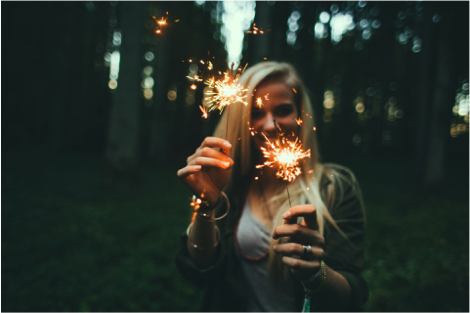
(91, 206)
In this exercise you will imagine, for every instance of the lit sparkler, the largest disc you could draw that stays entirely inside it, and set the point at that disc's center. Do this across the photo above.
(259, 102)
(298, 121)
(227, 91)
(286, 155)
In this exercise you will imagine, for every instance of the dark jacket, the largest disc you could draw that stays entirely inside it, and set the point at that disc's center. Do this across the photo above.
(224, 283)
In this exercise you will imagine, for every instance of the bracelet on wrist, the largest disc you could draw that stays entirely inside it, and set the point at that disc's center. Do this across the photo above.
(196, 203)
(195, 246)
(322, 274)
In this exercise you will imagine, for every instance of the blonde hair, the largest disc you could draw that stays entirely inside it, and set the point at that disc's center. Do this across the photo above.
(306, 188)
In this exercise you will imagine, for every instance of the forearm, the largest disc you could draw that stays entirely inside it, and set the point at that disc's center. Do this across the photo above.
(335, 293)
(203, 234)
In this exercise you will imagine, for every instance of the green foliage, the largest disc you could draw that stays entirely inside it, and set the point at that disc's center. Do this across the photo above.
(73, 240)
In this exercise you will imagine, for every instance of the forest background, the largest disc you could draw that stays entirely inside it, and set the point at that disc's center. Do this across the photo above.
(92, 209)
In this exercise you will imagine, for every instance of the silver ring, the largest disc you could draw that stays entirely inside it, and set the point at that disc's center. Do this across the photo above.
(307, 251)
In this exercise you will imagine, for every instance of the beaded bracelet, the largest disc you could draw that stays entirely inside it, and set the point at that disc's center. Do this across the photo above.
(322, 277)
(195, 246)
(205, 215)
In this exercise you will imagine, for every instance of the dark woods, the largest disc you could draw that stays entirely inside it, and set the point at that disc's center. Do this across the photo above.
(56, 95)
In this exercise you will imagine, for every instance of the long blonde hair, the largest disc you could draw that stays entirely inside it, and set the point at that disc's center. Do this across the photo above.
(306, 188)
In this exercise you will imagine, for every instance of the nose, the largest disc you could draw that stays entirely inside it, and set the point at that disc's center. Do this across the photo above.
(269, 126)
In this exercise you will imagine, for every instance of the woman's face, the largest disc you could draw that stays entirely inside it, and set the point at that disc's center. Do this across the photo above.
(277, 103)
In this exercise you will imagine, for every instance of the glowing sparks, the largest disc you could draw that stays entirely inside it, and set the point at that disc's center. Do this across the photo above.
(284, 154)
(204, 111)
(256, 178)
(196, 202)
(294, 90)
(161, 22)
(314, 128)
(225, 92)
(298, 121)
(259, 102)
(193, 87)
(256, 30)
(266, 96)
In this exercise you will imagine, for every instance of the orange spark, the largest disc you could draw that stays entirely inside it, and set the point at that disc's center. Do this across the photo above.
(294, 90)
(259, 102)
(193, 87)
(256, 178)
(314, 128)
(284, 154)
(255, 30)
(204, 111)
(266, 96)
(299, 121)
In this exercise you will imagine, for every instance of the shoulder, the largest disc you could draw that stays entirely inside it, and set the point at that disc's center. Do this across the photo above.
(339, 184)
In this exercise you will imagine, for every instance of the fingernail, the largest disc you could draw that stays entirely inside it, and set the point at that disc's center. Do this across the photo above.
(286, 215)
(227, 164)
(197, 167)
(227, 145)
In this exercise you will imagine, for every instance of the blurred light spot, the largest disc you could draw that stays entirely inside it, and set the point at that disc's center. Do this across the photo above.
(148, 94)
(320, 30)
(149, 56)
(370, 91)
(193, 69)
(148, 70)
(324, 17)
(190, 99)
(376, 24)
(295, 15)
(193, 87)
(200, 2)
(358, 46)
(90, 6)
(339, 24)
(117, 38)
(148, 82)
(114, 70)
(362, 3)
(360, 107)
(463, 106)
(334, 8)
(401, 15)
(237, 17)
(398, 113)
(392, 100)
(393, 86)
(366, 34)
(328, 102)
(171, 95)
(357, 139)
(436, 18)
(112, 84)
(364, 23)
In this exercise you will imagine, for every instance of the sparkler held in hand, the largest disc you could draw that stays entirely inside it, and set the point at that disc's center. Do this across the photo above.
(286, 155)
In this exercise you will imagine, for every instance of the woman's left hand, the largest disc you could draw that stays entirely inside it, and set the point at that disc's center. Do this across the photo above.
(296, 237)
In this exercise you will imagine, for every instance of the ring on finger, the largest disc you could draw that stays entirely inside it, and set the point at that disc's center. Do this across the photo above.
(307, 251)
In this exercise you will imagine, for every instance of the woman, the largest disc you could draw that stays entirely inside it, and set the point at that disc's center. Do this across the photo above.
(272, 251)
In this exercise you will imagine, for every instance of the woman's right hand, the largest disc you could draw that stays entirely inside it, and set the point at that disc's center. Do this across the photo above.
(208, 170)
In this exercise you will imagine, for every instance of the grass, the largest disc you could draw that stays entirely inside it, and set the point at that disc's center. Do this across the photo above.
(73, 240)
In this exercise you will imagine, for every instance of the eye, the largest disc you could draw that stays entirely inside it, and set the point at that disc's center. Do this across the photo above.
(284, 110)
(256, 113)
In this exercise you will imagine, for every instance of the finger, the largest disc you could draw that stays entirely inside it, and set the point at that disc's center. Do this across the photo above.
(188, 170)
(210, 162)
(210, 153)
(301, 265)
(215, 142)
(297, 250)
(303, 234)
(307, 211)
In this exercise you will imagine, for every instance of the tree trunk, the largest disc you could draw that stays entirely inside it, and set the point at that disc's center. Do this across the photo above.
(434, 174)
(124, 123)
